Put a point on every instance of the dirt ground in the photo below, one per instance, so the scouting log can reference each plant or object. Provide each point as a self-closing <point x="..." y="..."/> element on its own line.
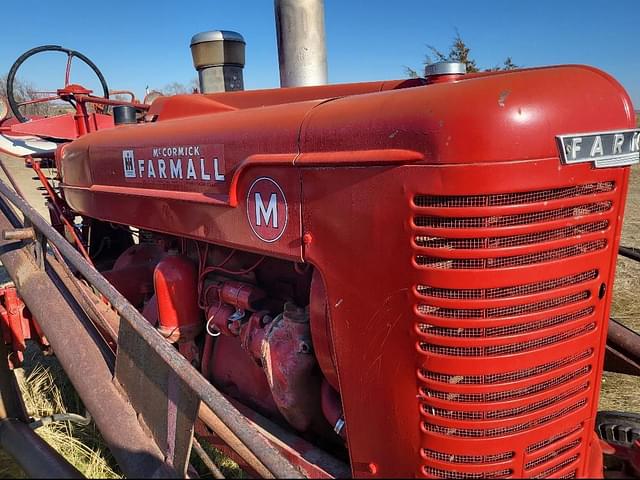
<point x="26" y="180"/>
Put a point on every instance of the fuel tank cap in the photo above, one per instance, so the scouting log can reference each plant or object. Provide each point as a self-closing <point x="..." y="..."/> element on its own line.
<point x="445" y="68"/>
<point x="444" y="71"/>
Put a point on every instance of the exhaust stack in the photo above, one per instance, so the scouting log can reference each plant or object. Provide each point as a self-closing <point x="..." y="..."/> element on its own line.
<point x="302" y="53"/>
<point x="218" y="56"/>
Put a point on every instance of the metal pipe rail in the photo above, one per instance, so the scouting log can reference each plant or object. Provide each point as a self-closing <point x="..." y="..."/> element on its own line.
<point x="32" y="453"/>
<point x="79" y="351"/>
<point x="624" y="340"/>
<point x="278" y="465"/>
<point x="630" y="252"/>
<point x="622" y="354"/>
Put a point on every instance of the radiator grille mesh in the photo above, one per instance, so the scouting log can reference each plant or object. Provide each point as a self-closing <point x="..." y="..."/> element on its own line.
<point x="556" y="468"/>
<point x="551" y="455"/>
<point x="505" y="292"/>
<point x="468" y="459"/>
<point x="505" y="395"/>
<point x="501" y="199"/>
<point x="512" y="240"/>
<point x="511" y="261"/>
<point x="500" y="431"/>
<point x="506" y="330"/>
<point x="534" y="447"/>
<point x="506" y="349"/>
<point x="515" y="317"/>
<point x="513" y="220"/>
<point x="508" y="311"/>
<point x="508" y="413"/>
<point x="493" y="378"/>
<point x="438" y="473"/>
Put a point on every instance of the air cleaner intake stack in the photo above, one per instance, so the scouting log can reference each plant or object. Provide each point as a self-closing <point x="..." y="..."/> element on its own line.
<point x="218" y="56"/>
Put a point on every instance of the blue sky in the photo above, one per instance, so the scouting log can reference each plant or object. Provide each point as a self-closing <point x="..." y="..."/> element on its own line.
<point x="139" y="43"/>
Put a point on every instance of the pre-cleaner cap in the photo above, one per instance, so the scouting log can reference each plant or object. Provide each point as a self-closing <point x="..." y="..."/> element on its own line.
<point x="216" y="36"/>
<point x="217" y="47"/>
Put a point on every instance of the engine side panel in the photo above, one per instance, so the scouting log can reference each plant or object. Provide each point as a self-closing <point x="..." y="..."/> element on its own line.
<point x="224" y="225"/>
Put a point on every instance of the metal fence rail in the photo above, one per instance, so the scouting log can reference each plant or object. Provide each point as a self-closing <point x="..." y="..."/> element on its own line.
<point x="630" y="252"/>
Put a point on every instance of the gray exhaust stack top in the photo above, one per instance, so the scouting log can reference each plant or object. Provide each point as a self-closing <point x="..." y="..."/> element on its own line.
<point x="302" y="51"/>
<point x="218" y="56"/>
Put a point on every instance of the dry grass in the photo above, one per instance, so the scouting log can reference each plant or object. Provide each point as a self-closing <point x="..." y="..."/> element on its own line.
<point x="228" y="467"/>
<point x="46" y="391"/>
<point x="81" y="446"/>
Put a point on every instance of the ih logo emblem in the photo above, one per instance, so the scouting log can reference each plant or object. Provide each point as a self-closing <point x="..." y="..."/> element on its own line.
<point x="267" y="209"/>
<point x="129" y="162"/>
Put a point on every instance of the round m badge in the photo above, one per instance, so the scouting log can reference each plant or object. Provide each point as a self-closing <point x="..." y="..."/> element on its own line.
<point x="267" y="209"/>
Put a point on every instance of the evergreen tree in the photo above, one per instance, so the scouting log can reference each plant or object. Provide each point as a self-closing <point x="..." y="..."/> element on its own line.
<point x="458" y="52"/>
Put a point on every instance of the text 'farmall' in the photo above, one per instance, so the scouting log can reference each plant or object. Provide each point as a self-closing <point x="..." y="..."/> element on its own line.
<point x="173" y="163"/>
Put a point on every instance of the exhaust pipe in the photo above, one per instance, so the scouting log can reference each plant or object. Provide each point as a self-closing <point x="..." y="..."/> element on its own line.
<point x="302" y="52"/>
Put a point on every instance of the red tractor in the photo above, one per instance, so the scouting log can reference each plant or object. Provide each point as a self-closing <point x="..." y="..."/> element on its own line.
<point x="385" y="279"/>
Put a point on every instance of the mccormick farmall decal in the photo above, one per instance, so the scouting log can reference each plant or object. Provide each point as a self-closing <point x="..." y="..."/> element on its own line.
<point x="199" y="163"/>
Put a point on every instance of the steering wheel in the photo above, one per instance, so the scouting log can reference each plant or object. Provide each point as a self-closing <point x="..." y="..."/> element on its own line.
<point x="15" y="104"/>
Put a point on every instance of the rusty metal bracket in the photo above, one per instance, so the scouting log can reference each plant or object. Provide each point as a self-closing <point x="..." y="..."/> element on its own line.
<point x="40" y="250"/>
<point x="168" y="406"/>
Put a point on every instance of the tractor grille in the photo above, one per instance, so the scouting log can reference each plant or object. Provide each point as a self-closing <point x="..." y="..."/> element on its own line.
<point x="510" y="354"/>
<point x="470" y="459"/>
<point x="437" y="473"/>
<point x="513" y="220"/>
<point x="511" y="261"/>
<point x="501" y="431"/>
<point x="503" y="395"/>
<point x="510" y="241"/>
<point x="498" y="312"/>
<point x="501" y="199"/>
<point x="506" y="292"/>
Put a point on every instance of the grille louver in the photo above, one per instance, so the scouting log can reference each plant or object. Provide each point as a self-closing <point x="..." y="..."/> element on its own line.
<point x="508" y="354"/>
